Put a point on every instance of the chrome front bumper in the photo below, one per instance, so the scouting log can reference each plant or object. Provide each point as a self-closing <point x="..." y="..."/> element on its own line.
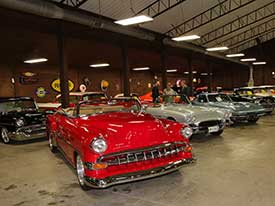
<point x="246" y="117"/>
<point x="140" y="175"/>
<point x="29" y="132"/>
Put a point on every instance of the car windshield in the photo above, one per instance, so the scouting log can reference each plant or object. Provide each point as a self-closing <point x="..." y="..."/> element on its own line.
<point x="219" y="98"/>
<point x="175" y="99"/>
<point x="101" y="106"/>
<point x="17" y="106"/>
<point x="85" y="97"/>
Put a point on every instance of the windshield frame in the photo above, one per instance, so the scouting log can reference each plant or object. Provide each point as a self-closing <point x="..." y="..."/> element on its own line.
<point x="219" y="94"/>
<point x="76" y="111"/>
<point x="22" y="109"/>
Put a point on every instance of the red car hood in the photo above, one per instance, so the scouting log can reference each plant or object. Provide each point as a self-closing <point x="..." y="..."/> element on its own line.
<point x="127" y="131"/>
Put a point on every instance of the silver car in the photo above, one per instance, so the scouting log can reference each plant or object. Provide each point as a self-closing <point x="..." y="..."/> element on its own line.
<point x="200" y="119"/>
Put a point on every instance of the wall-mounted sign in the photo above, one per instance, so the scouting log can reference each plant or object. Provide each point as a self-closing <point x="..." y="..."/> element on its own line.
<point x="28" y="78"/>
<point x="82" y="88"/>
<point x="104" y="85"/>
<point x="56" y="85"/>
<point x="41" y="92"/>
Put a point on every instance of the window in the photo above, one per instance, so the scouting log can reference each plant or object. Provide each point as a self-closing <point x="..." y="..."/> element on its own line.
<point x="202" y="99"/>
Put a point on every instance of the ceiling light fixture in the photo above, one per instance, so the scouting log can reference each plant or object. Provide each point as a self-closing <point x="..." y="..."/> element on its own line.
<point x="186" y="72"/>
<point x="204" y="74"/>
<point x="100" y="65"/>
<point x="248" y="60"/>
<point x="186" y="38"/>
<point x="259" y="63"/>
<point x="134" y="20"/>
<point x="33" y="61"/>
<point x="222" y="48"/>
<point x="171" y="70"/>
<point x="194" y="72"/>
<point x="235" y="55"/>
<point x="141" y="69"/>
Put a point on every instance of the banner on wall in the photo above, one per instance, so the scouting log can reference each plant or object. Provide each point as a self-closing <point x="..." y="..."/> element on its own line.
<point x="55" y="85"/>
<point x="28" y="78"/>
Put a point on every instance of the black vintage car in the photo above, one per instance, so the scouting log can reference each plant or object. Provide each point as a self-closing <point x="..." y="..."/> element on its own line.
<point x="20" y="119"/>
<point x="250" y="94"/>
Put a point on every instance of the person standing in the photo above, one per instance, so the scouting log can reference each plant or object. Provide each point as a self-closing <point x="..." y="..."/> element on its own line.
<point x="185" y="89"/>
<point x="169" y="94"/>
<point x="155" y="92"/>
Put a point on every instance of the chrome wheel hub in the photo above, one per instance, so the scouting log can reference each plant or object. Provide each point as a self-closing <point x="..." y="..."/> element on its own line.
<point x="80" y="170"/>
<point x="5" y="135"/>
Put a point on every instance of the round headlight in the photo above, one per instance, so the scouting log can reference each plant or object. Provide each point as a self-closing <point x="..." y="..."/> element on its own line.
<point x="186" y="132"/>
<point x="99" y="145"/>
<point x="19" y="122"/>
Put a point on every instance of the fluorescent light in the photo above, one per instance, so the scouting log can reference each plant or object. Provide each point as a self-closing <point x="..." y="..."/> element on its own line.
<point x="194" y="72"/>
<point x="134" y="20"/>
<point x="204" y="74"/>
<point x="259" y="63"/>
<point x="273" y="73"/>
<point x="186" y="72"/>
<point x="100" y="65"/>
<point x="217" y="48"/>
<point x="33" y="61"/>
<point x="235" y="55"/>
<point x="186" y="38"/>
<point x="171" y="70"/>
<point x="141" y="69"/>
<point x="248" y="60"/>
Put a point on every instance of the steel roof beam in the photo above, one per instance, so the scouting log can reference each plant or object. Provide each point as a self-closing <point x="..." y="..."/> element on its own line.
<point x="73" y="3"/>
<point x="159" y="7"/>
<point x="239" y="23"/>
<point x="249" y="34"/>
<point x="215" y="12"/>
<point x="253" y="42"/>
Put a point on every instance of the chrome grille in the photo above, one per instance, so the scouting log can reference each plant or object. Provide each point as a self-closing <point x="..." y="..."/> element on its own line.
<point x="210" y="123"/>
<point x="33" y="129"/>
<point x="162" y="151"/>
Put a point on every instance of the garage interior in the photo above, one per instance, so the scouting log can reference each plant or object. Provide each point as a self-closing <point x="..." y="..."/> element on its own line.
<point x="235" y="168"/>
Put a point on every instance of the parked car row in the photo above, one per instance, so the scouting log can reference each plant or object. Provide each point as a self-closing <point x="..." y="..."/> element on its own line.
<point x="116" y="140"/>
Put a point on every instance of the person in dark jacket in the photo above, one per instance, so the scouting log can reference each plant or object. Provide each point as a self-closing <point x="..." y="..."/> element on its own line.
<point x="185" y="89"/>
<point x="155" y="92"/>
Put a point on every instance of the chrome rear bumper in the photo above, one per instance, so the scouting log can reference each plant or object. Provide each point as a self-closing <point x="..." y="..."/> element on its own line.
<point x="140" y="175"/>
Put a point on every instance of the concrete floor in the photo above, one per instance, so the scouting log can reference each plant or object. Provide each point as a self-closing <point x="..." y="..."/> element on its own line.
<point x="235" y="169"/>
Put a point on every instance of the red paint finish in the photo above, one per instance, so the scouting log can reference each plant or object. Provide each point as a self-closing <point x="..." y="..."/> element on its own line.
<point x="122" y="131"/>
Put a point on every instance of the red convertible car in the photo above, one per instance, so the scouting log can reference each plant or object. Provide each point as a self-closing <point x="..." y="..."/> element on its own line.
<point x="111" y="142"/>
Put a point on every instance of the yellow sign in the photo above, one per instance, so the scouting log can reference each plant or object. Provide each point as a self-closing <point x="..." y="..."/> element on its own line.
<point x="56" y="85"/>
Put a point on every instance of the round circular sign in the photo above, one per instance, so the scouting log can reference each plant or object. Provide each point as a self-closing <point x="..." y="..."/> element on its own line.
<point x="56" y="85"/>
<point x="41" y="92"/>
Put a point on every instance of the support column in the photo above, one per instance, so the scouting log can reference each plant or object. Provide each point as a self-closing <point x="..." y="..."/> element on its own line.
<point x="125" y="70"/>
<point x="190" y="73"/>
<point x="163" y="57"/>
<point x="209" y="76"/>
<point x="63" y="67"/>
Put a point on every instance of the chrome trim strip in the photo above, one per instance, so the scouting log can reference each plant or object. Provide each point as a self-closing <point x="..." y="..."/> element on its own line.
<point x="140" y="175"/>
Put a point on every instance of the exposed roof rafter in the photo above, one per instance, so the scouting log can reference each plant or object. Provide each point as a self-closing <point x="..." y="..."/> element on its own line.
<point x="73" y="3"/>
<point x="249" y="34"/>
<point x="239" y="23"/>
<point x="215" y="12"/>
<point x="253" y="42"/>
<point x="159" y="7"/>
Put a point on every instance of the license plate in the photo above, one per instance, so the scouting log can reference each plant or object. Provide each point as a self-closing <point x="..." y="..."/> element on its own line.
<point x="213" y="129"/>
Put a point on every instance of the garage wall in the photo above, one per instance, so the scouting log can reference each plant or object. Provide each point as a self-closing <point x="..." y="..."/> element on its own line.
<point x="6" y="74"/>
